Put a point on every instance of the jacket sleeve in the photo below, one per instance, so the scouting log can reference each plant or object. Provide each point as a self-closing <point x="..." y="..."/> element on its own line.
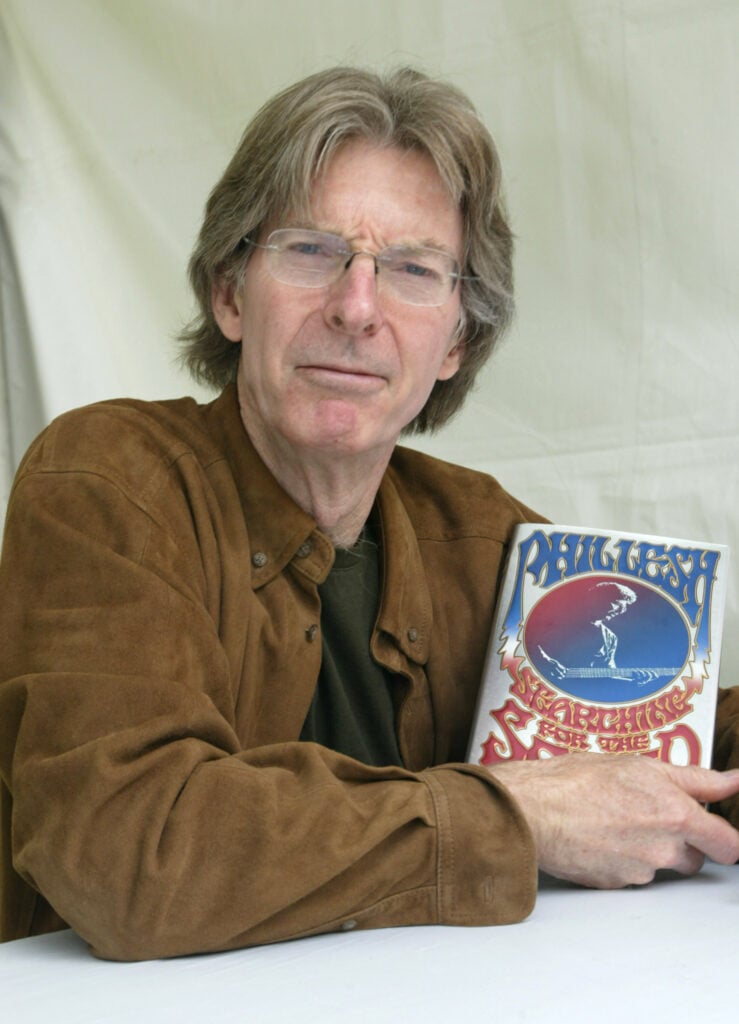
<point x="135" y="811"/>
<point x="726" y="746"/>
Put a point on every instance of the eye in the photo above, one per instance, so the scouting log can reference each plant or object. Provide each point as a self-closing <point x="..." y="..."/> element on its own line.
<point x="311" y="250"/>
<point x="415" y="264"/>
<point x="417" y="270"/>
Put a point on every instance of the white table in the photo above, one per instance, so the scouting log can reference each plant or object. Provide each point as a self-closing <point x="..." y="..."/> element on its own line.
<point x="665" y="953"/>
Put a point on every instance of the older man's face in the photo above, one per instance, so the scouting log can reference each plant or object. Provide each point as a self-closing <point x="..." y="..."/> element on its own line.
<point x="342" y="369"/>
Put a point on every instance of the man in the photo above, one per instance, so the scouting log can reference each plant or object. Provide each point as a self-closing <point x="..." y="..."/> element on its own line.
<point x="241" y="642"/>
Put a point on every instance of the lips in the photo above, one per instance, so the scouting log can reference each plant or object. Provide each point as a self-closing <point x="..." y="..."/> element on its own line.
<point x="333" y="376"/>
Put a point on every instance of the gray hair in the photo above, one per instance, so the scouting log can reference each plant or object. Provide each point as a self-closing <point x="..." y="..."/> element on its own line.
<point x="272" y="173"/>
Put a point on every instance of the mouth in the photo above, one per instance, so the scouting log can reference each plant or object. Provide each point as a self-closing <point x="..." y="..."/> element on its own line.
<point x="351" y="378"/>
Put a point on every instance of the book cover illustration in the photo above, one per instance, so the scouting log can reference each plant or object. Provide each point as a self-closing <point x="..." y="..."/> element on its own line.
<point x="603" y="641"/>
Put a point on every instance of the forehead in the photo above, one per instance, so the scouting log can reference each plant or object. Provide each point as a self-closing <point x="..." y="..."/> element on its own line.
<point x="386" y="194"/>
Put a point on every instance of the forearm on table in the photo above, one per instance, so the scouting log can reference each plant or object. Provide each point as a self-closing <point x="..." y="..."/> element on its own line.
<point x="176" y="847"/>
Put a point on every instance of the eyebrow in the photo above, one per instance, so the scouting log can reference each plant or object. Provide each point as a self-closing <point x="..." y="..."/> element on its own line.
<point x="423" y="243"/>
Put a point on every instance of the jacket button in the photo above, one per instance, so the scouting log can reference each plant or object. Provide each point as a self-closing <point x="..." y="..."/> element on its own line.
<point x="310" y="633"/>
<point x="412" y="634"/>
<point x="258" y="559"/>
<point x="304" y="550"/>
<point x="348" y="925"/>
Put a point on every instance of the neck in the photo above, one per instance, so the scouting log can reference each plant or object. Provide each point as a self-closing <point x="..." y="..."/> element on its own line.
<point x="337" y="490"/>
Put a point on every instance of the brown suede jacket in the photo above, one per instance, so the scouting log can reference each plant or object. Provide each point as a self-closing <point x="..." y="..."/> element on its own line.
<point x="159" y="648"/>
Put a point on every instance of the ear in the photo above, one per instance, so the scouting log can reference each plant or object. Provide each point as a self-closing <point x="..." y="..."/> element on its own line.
<point x="452" y="362"/>
<point x="453" y="358"/>
<point x="226" y="305"/>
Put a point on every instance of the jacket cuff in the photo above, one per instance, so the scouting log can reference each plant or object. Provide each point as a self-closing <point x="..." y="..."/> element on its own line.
<point x="486" y="857"/>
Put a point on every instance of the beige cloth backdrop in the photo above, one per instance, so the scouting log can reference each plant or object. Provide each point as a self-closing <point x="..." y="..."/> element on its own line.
<point x="613" y="401"/>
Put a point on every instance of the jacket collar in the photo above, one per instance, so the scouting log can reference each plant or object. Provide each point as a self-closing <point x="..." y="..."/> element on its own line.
<point x="405" y="607"/>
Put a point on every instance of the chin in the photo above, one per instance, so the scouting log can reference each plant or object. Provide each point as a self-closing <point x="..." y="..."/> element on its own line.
<point x="339" y="427"/>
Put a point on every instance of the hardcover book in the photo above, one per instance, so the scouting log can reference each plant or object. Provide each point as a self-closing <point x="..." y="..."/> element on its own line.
<point x="603" y="641"/>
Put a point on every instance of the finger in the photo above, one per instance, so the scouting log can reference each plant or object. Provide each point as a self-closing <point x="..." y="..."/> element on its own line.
<point x="689" y="862"/>
<point x="704" y="784"/>
<point x="714" y="837"/>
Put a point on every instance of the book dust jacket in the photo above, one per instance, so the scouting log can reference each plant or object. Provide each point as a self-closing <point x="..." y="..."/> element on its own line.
<point x="603" y="641"/>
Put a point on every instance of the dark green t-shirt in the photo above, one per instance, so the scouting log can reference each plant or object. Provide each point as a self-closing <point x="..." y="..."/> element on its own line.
<point x="352" y="709"/>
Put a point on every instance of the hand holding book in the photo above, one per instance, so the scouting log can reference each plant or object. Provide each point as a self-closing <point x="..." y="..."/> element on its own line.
<point x="609" y="820"/>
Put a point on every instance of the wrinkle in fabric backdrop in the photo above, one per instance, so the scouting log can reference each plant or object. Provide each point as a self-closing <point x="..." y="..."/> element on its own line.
<point x="612" y="402"/>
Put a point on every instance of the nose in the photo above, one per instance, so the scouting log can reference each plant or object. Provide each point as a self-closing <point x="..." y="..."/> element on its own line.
<point x="352" y="304"/>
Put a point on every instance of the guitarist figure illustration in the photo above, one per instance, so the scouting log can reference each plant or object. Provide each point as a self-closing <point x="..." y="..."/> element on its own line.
<point x="593" y="644"/>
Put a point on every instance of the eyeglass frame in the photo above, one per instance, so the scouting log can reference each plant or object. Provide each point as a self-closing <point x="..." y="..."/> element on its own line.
<point x="452" y="275"/>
